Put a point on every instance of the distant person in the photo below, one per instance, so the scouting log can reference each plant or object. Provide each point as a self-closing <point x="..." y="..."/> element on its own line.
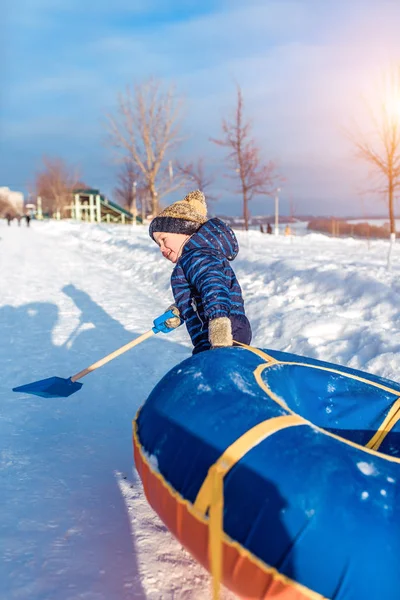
<point x="288" y="231"/>
<point x="269" y="228"/>
<point x="28" y="220"/>
<point x="9" y="219"/>
<point x="261" y="228"/>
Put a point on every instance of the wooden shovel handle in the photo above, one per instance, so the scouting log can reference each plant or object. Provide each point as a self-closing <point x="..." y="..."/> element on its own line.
<point x="113" y="355"/>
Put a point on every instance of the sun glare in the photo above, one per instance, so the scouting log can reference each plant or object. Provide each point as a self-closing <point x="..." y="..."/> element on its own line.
<point x="392" y="106"/>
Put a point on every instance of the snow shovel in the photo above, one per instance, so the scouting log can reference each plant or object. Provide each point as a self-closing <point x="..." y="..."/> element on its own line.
<point x="57" y="387"/>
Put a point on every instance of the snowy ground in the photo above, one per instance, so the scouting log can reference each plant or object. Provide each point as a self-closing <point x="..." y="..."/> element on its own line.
<point x="376" y="222"/>
<point x="75" y="524"/>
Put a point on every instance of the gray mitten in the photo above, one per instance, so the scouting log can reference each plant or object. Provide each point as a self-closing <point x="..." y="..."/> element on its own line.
<point x="173" y="322"/>
<point x="220" y="332"/>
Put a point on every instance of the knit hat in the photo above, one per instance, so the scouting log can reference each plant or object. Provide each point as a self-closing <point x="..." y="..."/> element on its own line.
<point x="185" y="216"/>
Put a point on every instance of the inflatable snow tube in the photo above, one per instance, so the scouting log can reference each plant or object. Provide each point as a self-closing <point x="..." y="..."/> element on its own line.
<point x="280" y="474"/>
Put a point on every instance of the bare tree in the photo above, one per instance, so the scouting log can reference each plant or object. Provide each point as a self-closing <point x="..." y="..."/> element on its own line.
<point x="130" y="187"/>
<point x="381" y="146"/>
<point x="143" y="131"/>
<point x="55" y="184"/>
<point x="195" y="174"/>
<point x="126" y="178"/>
<point x="130" y="190"/>
<point x="255" y="177"/>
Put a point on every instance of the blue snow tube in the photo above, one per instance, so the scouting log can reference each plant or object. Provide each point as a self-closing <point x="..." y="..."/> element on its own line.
<point x="310" y="454"/>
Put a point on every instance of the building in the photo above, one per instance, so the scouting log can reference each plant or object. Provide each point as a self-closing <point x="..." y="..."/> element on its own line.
<point x="89" y="205"/>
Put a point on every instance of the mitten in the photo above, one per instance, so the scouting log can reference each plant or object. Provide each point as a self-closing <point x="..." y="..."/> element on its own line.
<point x="220" y="332"/>
<point x="173" y="322"/>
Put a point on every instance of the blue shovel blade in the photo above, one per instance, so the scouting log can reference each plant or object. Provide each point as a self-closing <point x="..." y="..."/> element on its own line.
<point x="53" y="387"/>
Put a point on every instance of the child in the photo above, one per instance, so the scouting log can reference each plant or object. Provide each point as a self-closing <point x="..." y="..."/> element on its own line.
<point x="206" y="292"/>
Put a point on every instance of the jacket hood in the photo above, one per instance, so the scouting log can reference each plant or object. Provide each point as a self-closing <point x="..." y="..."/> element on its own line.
<point x="215" y="236"/>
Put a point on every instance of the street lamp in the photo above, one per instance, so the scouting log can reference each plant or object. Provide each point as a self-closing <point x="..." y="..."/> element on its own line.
<point x="276" y="232"/>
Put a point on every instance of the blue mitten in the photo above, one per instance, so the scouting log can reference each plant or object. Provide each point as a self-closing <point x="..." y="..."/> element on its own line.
<point x="168" y="321"/>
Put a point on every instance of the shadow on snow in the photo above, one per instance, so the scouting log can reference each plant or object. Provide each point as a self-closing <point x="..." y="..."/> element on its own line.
<point x="65" y="528"/>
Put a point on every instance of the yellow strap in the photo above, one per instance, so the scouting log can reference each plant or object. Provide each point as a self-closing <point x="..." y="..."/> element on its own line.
<point x="239" y="448"/>
<point x="343" y="374"/>
<point x="211" y="494"/>
<point x="260" y="353"/>
<point x="270" y="360"/>
<point x="216" y="528"/>
<point x="386" y="426"/>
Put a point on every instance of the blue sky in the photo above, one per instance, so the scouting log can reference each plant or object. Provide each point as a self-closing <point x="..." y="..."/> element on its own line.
<point x="302" y="66"/>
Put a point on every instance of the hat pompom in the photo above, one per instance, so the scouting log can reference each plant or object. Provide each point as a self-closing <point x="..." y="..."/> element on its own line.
<point x="197" y="201"/>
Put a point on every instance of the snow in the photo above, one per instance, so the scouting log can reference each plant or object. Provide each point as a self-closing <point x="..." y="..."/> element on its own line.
<point x="367" y="468"/>
<point x="376" y="222"/>
<point x="75" y="524"/>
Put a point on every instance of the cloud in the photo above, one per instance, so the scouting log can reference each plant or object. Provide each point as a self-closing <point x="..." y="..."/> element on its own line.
<point x="301" y="66"/>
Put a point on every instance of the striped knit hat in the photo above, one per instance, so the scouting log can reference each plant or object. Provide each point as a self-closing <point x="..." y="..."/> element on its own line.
<point x="184" y="216"/>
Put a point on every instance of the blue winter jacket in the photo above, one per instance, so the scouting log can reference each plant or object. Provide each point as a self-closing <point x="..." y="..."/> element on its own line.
<point x="204" y="284"/>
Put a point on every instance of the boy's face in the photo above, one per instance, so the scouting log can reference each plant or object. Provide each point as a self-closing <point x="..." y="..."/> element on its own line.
<point x="171" y="244"/>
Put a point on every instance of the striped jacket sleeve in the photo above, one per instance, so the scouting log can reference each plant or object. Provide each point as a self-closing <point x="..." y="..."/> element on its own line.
<point x="206" y="273"/>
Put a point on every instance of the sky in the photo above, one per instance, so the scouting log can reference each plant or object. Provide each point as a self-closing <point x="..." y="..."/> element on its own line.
<point x="304" y="67"/>
<point x="74" y="520"/>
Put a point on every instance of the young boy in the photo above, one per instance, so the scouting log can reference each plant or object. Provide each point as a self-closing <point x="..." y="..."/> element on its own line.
<point x="206" y="292"/>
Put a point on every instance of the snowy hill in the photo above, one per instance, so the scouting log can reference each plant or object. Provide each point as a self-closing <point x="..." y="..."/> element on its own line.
<point x="75" y="524"/>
